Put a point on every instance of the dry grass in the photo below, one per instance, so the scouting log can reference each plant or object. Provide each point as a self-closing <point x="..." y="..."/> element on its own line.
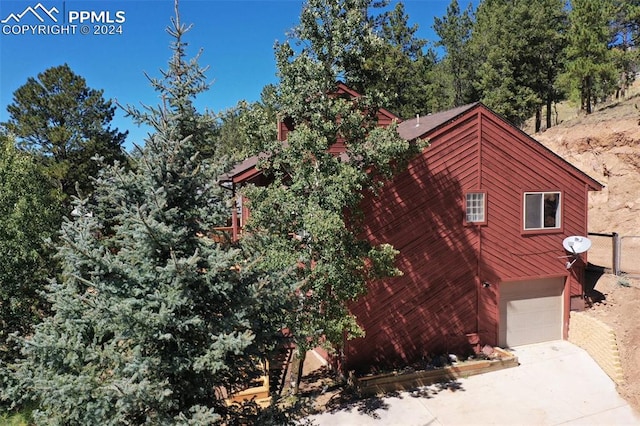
<point x="568" y="112"/>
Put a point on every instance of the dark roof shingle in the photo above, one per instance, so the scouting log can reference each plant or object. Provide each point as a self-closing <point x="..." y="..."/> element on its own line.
<point x="416" y="127"/>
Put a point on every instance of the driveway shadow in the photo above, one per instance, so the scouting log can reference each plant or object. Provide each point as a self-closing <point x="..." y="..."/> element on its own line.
<point x="349" y="400"/>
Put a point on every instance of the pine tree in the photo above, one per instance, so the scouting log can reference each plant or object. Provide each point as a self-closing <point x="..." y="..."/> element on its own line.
<point x="65" y="123"/>
<point x="458" y="64"/>
<point x="626" y="29"/>
<point x="627" y="22"/>
<point x="306" y="222"/>
<point x="397" y="66"/>
<point x="153" y="322"/>
<point x="521" y="42"/>
<point x="591" y="73"/>
<point x="244" y="128"/>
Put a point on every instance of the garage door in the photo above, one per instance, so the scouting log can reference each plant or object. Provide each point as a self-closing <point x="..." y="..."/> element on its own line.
<point x="530" y="311"/>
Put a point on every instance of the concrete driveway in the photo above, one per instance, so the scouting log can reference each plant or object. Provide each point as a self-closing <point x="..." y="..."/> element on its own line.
<point x="557" y="383"/>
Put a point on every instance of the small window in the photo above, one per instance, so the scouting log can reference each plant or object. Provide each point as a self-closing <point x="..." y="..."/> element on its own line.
<point x="542" y="210"/>
<point x="476" y="207"/>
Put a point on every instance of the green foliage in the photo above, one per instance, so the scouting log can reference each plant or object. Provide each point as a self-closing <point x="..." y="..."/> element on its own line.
<point x="65" y="123"/>
<point x="306" y="222"/>
<point x="14" y="419"/>
<point x="396" y="66"/>
<point x="521" y="43"/>
<point x="626" y="25"/>
<point x="152" y="321"/>
<point x="626" y="30"/>
<point x="456" y="71"/>
<point x="626" y="64"/>
<point x="244" y="129"/>
<point x="591" y="74"/>
<point x="29" y="215"/>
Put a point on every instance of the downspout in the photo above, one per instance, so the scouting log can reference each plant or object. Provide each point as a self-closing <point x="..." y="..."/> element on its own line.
<point x="478" y="279"/>
<point x="234" y="213"/>
<point x="479" y="228"/>
<point x="583" y="273"/>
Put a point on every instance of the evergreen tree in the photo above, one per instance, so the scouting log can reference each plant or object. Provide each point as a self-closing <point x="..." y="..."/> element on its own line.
<point x="521" y="42"/>
<point x="625" y="61"/>
<point x="28" y="217"/>
<point x="65" y="123"/>
<point x="547" y="33"/>
<point x="244" y="128"/>
<point x="591" y="73"/>
<point x="457" y="68"/>
<point x="153" y="322"/>
<point x="306" y="222"/>
<point x="627" y="23"/>
<point x="626" y="36"/>
<point x="397" y="66"/>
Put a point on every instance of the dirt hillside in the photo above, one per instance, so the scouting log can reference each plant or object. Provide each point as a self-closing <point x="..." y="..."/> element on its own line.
<point x="606" y="146"/>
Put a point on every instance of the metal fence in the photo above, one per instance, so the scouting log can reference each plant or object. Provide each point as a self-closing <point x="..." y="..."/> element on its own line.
<point x="619" y="255"/>
<point x="630" y="254"/>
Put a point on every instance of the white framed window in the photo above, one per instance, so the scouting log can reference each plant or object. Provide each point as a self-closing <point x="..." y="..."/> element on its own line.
<point x="476" y="207"/>
<point x="542" y="210"/>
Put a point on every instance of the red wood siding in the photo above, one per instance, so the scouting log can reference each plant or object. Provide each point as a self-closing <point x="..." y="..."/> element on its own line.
<point x="441" y="297"/>
<point x="453" y="270"/>
<point x="511" y="165"/>
<point x="284" y="127"/>
<point x="433" y="305"/>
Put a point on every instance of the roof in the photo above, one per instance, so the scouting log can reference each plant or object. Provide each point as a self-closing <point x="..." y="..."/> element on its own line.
<point x="343" y="88"/>
<point x="417" y="127"/>
<point x="420" y="127"/>
<point x="247" y="166"/>
<point x="409" y="130"/>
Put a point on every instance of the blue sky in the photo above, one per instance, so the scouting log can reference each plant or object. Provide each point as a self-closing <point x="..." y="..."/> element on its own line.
<point x="237" y="38"/>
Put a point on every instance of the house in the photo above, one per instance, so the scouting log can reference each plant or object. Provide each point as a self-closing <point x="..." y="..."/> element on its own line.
<point x="247" y="172"/>
<point x="479" y="218"/>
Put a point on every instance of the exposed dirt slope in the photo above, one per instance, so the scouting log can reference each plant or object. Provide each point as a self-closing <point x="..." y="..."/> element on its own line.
<point x="606" y="146"/>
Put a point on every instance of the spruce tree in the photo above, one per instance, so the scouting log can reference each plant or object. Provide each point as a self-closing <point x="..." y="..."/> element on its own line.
<point x="153" y="321"/>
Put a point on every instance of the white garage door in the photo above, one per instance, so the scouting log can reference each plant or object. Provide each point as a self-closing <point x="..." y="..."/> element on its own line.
<point x="530" y="311"/>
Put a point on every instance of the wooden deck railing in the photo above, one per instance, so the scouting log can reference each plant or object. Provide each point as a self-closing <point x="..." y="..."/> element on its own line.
<point x="222" y="234"/>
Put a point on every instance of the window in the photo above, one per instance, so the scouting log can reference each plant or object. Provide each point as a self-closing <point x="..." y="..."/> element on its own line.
<point x="476" y="207"/>
<point x="542" y="210"/>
